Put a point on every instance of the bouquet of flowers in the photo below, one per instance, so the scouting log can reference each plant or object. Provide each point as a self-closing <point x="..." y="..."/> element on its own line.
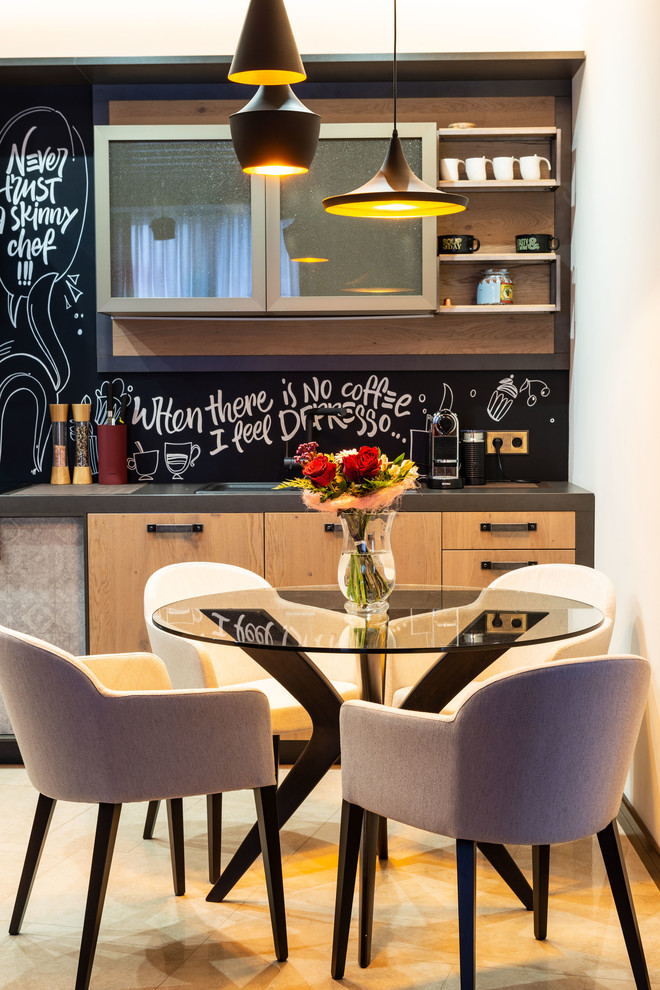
<point x="357" y="485"/>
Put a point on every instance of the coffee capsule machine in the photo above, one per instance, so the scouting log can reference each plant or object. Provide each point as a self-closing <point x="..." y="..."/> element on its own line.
<point x="444" y="452"/>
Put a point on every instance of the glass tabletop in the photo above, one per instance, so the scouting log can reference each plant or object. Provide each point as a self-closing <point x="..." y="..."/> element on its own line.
<point x="421" y="619"/>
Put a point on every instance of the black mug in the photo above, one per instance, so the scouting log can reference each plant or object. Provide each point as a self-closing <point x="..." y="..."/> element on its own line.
<point x="458" y="244"/>
<point x="543" y="243"/>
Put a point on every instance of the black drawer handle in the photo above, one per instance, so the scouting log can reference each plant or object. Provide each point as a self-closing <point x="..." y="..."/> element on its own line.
<point x="507" y="527"/>
<point x="506" y="565"/>
<point x="175" y="527"/>
<point x="332" y="527"/>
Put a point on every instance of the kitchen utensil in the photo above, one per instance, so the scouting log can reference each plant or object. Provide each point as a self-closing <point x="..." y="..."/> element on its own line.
<point x="82" y="473"/>
<point x="530" y="166"/>
<point x="112" y="453"/>
<point x="542" y="243"/>
<point x="109" y="402"/>
<point x="59" y="474"/>
<point x="458" y="244"/>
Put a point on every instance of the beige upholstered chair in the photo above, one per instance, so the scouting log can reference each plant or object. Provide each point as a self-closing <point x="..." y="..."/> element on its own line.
<point x="83" y="741"/>
<point x="195" y="664"/>
<point x="475" y="776"/>
<point x="582" y="584"/>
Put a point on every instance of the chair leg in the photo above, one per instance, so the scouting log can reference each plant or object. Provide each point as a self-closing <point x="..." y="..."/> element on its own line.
<point x="150" y="821"/>
<point x="501" y="860"/>
<point x="382" y="838"/>
<point x="367" y="885"/>
<point x="177" y="854"/>
<point x="276" y="757"/>
<point x="104" y="844"/>
<point x="466" y="861"/>
<point x="40" y="825"/>
<point x="269" y="835"/>
<point x="214" y="829"/>
<point x="349" y="849"/>
<point x="540" y="886"/>
<point x="610" y="847"/>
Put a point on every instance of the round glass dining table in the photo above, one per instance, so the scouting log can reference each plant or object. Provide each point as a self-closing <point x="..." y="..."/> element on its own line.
<point x="462" y="630"/>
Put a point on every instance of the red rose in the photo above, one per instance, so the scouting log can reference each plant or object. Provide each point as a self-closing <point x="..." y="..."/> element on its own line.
<point x="320" y="470"/>
<point x="363" y="465"/>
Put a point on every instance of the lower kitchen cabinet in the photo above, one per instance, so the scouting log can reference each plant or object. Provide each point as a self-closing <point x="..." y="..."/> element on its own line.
<point x="123" y="549"/>
<point x="477" y="568"/>
<point x="303" y="548"/>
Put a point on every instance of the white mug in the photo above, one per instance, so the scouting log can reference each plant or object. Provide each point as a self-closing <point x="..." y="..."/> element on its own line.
<point x="530" y="166"/>
<point x="476" y="168"/>
<point x="449" y="168"/>
<point x="503" y="167"/>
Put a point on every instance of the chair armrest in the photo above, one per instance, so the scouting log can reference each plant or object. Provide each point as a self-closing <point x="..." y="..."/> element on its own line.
<point x="128" y="671"/>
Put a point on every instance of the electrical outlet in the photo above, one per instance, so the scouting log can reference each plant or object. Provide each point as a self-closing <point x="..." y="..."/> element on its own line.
<point x="513" y="441"/>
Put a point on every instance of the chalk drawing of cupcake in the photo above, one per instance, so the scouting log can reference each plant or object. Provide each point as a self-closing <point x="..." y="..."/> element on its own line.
<point x="502" y="399"/>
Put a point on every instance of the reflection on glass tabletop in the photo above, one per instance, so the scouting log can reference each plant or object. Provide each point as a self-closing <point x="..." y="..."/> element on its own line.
<point x="420" y="619"/>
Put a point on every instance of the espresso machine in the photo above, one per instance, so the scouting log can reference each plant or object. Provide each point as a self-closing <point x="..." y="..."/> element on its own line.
<point x="444" y="454"/>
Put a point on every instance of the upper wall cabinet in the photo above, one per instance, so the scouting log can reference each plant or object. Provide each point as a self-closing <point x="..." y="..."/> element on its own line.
<point x="180" y="229"/>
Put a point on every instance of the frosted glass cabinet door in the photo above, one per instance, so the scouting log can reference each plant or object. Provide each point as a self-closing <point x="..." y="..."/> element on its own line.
<point x="180" y="227"/>
<point x="319" y="262"/>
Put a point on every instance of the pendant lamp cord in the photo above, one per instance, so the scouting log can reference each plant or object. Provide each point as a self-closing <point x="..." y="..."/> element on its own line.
<point x="394" y="79"/>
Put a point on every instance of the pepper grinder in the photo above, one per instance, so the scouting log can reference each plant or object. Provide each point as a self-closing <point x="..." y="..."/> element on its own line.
<point x="82" y="473"/>
<point x="59" y="474"/>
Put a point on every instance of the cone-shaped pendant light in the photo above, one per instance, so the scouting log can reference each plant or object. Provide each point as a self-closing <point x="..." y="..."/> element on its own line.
<point x="275" y="134"/>
<point x="266" y="54"/>
<point x="395" y="192"/>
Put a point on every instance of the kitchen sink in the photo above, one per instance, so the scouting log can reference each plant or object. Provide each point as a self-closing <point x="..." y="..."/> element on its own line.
<point x="218" y="487"/>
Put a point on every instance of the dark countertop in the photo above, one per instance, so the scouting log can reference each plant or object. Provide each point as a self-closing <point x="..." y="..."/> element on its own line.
<point x="79" y="500"/>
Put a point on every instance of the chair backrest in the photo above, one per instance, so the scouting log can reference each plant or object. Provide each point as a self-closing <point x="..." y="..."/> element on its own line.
<point x="536" y="756"/>
<point x="191" y="664"/>
<point x="575" y="581"/>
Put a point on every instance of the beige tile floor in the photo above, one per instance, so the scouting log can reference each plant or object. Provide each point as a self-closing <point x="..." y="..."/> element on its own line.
<point x="149" y="938"/>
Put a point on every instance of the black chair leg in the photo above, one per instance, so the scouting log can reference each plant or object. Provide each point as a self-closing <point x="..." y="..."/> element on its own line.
<point x="265" y="799"/>
<point x="367" y="885"/>
<point x="610" y="847"/>
<point x="40" y="826"/>
<point x="501" y="860"/>
<point x="276" y="757"/>
<point x="466" y="861"/>
<point x="214" y="829"/>
<point x="349" y="848"/>
<point x="540" y="886"/>
<point x="382" y="838"/>
<point x="150" y="821"/>
<point x="104" y="844"/>
<point x="177" y="854"/>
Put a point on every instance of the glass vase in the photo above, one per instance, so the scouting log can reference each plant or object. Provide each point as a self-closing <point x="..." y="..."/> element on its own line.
<point x="366" y="567"/>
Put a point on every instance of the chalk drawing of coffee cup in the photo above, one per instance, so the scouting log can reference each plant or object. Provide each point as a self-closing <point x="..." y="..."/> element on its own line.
<point x="179" y="457"/>
<point x="145" y="462"/>
<point x="502" y="399"/>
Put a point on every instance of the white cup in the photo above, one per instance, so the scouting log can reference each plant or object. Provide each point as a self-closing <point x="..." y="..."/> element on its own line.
<point x="449" y="168"/>
<point x="530" y="166"/>
<point x="503" y="167"/>
<point x="476" y="168"/>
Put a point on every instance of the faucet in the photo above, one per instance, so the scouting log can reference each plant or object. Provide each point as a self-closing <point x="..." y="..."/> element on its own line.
<point x="339" y="412"/>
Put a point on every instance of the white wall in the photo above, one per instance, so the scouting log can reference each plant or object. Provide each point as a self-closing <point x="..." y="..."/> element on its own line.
<point x="614" y="392"/>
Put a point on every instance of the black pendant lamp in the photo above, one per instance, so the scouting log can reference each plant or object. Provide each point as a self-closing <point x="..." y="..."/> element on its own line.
<point x="275" y="134"/>
<point x="395" y="192"/>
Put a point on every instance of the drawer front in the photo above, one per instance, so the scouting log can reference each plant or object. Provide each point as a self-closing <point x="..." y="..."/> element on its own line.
<point x="477" y="568"/>
<point x="518" y="530"/>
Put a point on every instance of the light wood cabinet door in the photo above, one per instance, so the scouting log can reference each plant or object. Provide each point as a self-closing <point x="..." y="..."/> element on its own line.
<point x="123" y="550"/>
<point x="303" y="548"/>
<point x="514" y="530"/>
<point x="477" y="568"/>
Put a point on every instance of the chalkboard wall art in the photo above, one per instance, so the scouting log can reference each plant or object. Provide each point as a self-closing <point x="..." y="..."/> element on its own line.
<point x="195" y="426"/>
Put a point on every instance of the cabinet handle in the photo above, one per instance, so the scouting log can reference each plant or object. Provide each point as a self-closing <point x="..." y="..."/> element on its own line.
<point x="508" y="527"/>
<point x="332" y="527"/>
<point x="175" y="527"/>
<point x="506" y="565"/>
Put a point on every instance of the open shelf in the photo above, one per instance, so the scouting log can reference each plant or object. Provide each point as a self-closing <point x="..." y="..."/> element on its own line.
<point x="511" y="257"/>
<point x="500" y="308"/>
<point x="500" y="185"/>
<point x="533" y="133"/>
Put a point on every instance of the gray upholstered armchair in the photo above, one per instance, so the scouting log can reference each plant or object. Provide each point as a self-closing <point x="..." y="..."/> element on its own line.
<point x="83" y="741"/>
<point x="531" y="757"/>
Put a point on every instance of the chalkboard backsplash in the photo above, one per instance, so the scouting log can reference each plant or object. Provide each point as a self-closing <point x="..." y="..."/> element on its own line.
<point x="196" y="426"/>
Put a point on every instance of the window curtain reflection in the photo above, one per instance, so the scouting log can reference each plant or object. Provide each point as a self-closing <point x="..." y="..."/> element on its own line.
<point x="210" y="255"/>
